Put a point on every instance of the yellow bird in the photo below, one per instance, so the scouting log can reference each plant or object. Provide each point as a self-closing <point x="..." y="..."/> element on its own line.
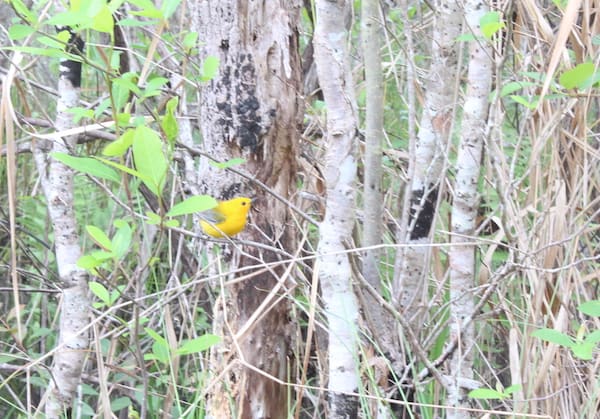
<point x="227" y="219"/>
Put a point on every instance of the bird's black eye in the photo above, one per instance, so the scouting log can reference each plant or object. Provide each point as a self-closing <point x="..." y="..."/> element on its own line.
<point x="244" y="203"/>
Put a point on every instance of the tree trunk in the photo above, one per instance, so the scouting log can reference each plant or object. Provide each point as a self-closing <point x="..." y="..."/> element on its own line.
<point x="57" y="183"/>
<point x="380" y="323"/>
<point x="335" y="274"/>
<point x="465" y="207"/>
<point x="251" y="110"/>
<point x="427" y="164"/>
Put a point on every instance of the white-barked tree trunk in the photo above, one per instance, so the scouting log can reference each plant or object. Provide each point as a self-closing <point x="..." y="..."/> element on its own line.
<point x="464" y="209"/>
<point x="333" y="265"/>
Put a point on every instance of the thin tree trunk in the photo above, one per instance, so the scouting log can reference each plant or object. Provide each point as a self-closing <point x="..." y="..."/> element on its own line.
<point x="465" y="207"/>
<point x="57" y="183"/>
<point x="380" y="324"/>
<point x="427" y="164"/>
<point x="372" y="201"/>
<point x="251" y="110"/>
<point x="335" y="274"/>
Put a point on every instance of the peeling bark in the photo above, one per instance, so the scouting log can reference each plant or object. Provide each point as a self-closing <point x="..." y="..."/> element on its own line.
<point x="251" y="109"/>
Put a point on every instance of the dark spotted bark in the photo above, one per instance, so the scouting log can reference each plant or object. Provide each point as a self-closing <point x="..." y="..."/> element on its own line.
<point x="251" y="109"/>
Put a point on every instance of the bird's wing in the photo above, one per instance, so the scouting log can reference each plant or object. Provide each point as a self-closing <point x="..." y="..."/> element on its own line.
<point x="212" y="217"/>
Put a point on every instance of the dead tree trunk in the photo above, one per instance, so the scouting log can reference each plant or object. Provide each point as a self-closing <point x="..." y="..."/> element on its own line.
<point x="251" y="109"/>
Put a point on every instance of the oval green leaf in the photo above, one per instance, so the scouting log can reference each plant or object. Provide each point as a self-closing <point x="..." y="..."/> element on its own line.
<point x="197" y="203"/>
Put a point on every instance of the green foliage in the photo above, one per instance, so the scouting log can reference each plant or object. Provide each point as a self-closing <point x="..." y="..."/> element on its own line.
<point x="578" y="77"/>
<point x="82" y="15"/>
<point x="107" y="298"/>
<point x="491" y="23"/>
<point x="114" y="249"/>
<point x="169" y="122"/>
<point x="161" y="350"/>
<point x="150" y="159"/>
<point x="119" y="147"/>
<point x="88" y="166"/>
<point x="497" y="394"/>
<point x="198" y="345"/>
<point x="583" y="345"/>
<point x="210" y="67"/>
<point x="192" y="204"/>
<point x="591" y="308"/>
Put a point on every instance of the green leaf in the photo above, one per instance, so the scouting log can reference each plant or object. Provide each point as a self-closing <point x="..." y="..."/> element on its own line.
<point x="39" y="332"/>
<point x="99" y="237"/>
<point x="171" y="223"/>
<point x="150" y="159"/>
<point x="169" y="121"/>
<point x="101" y="255"/>
<point x="120" y="146"/>
<point x="114" y="5"/>
<point x="102" y="107"/>
<point x="197" y="203"/>
<point x="103" y="20"/>
<point x="160" y="347"/>
<point x="511" y="389"/>
<point x="122" y="89"/>
<point x="116" y="293"/>
<point x="190" y="40"/>
<point x="73" y="19"/>
<point x="561" y="4"/>
<point x="154" y="86"/>
<point x="486" y="393"/>
<point x="593" y="337"/>
<point x="210" y="67"/>
<point x="319" y="105"/>
<point x="168" y="7"/>
<point x="80" y="113"/>
<point x="88" y="166"/>
<point x="127" y="84"/>
<point x="120" y="403"/>
<point x="121" y="241"/>
<point x="591" y="308"/>
<point x="466" y="37"/>
<point x="63" y="37"/>
<point x="577" y="76"/>
<point x="583" y="350"/>
<point x="19" y="31"/>
<point x="154" y="219"/>
<point x="522" y="101"/>
<point x="46" y="52"/>
<point x="513" y="86"/>
<point x="199" y="344"/>
<point x="157" y="338"/>
<point x="490" y="23"/>
<point x="24" y="11"/>
<point x="7" y="358"/>
<point x="534" y="75"/>
<point x="229" y="163"/>
<point x="123" y="118"/>
<point x="132" y="172"/>
<point x="147" y="9"/>
<point x="100" y="291"/>
<point x="88" y="262"/>
<point x="554" y="336"/>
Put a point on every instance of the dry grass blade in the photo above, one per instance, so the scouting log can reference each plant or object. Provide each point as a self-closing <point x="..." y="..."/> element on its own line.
<point x="558" y="50"/>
